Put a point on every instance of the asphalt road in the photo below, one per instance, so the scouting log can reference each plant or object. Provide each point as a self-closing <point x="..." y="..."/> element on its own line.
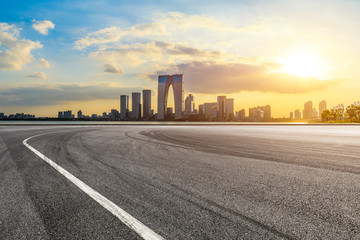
<point x="182" y="182"/>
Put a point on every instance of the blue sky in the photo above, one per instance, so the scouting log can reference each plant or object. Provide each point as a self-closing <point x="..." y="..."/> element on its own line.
<point x="257" y="52"/>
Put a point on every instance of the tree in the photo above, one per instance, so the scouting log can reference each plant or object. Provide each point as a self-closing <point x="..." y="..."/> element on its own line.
<point x="325" y="115"/>
<point x="351" y="112"/>
<point x="332" y="115"/>
<point x="339" y="113"/>
<point x="357" y="113"/>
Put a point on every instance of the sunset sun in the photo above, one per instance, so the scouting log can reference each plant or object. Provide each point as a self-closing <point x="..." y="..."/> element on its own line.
<point x="303" y="64"/>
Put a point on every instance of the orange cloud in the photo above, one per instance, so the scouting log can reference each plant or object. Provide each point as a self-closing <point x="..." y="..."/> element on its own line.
<point x="211" y="77"/>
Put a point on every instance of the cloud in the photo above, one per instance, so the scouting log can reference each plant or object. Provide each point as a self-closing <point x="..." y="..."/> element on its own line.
<point x="110" y="68"/>
<point x="103" y="36"/>
<point x="14" y="52"/>
<point x="43" y="26"/>
<point x="38" y="75"/>
<point x="165" y="38"/>
<point x="53" y="94"/>
<point x="212" y="78"/>
<point x="147" y="29"/>
<point x="174" y="49"/>
<point x="185" y="22"/>
<point x="43" y="63"/>
<point x="151" y="53"/>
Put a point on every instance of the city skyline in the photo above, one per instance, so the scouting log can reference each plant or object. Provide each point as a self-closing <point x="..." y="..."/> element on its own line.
<point x="53" y="58"/>
<point x="222" y="110"/>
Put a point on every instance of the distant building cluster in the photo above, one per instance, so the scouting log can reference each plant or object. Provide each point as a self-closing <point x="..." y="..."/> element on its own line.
<point x="309" y="112"/>
<point x="261" y="113"/>
<point x="66" y="115"/>
<point x="222" y="109"/>
<point x="17" y="116"/>
<point x="139" y="110"/>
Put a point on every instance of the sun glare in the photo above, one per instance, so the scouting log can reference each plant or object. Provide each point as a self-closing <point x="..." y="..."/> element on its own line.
<point x="303" y="64"/>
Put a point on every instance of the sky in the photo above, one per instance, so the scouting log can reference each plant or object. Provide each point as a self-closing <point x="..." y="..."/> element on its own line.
<point x="60" y="55"/>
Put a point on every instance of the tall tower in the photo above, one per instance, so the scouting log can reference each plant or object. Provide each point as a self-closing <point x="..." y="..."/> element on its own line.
<point x="221" y="106"/>
<point x="229" y="108"/>
<point x="189" y="104"/>
<point x="308" y="110"/>
<point x="146" y="103"/>
<point x="79" y="114"/>
<point x="164" y="83"/>
<point x="124" y="106"/>
<point x="136" y="105"/>
<point x="322" y="106"/>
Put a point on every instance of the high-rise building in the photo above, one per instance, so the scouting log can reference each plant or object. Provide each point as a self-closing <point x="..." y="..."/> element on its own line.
<point x="209" y="109"/>
<point x="242" y="114"/>
<point x="267" y="112"/>
<point x="291" y="115"/>
<point x="146" y="103"/>
<point x="229" y="108"/>
<point x="315" y="113"/>
<point x="68" y="114"/>
<point x="308" y="110"/>
<point x="79" y="114"/>
<point x="164" y="82"/>
<point x="136" y="105"/>
<point x="322" y="106"/>
<point x="221" y="107"/>
<point x="297" y="114"/>
<point x="256" y="114"/>
<point x="189" y="104"/>
<point x="60" y="114"/>
<point x="201" y="109"/>
<point x="124" y="106"/>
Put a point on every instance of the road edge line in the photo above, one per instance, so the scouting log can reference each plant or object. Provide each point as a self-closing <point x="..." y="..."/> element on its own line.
<point x="130" y="221"/>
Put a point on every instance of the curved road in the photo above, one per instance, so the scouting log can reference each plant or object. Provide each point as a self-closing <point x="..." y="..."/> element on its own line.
<point x="182" y="182"/>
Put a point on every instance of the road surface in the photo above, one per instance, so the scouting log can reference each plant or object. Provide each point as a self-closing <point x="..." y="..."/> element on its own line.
<point x="180" y="182"/>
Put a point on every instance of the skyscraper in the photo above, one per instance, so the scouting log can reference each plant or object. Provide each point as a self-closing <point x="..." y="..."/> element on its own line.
<point x="124" y="106"/>
<point x="146" y="103"/>
<point x="202" y="109"/>
<point x="79" y="114"/>
<point x="308" y="110"/>
<point x="189" y="104"/>
<point x="229" y="108"/>
<point x="242" y="114"/>
<point x="297" y="114"/>
<point x="322" y="106"/>
<point x="209" y="109"/>
<point x="221" y="106"/>
<point x="136" y="105"/>
<point x="315" y="113"/>
<point x="164" y="82"/>
<point x="68" y="114"/>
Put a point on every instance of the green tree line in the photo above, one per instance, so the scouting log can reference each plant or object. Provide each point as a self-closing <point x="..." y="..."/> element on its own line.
<point x="352" y="114"/>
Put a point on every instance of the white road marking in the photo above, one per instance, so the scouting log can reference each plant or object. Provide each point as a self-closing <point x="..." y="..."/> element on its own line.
<point x="145" y="232"/>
